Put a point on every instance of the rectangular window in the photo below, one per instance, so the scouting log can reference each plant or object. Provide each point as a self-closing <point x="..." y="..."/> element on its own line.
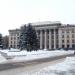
<point x="73" y="46"/>
<point x="56" y="46"/>
<point x="14" y="38"/>
<point x="62" y="46"/>
<point x="11" y="42"/>
<point x="17" y="34"/>
<point x="67" y="46"/>
<point x="67" y="41"/>
<point x="67" y="31"/>
<point x="73" y="31"/>
<point x="17" y="38"/>
<point x="11" y="38"/>
<point x="72" y="35"/>
<point x="62" y="31"/>
<point x="52" y="31"/>
<point x="52" y="36"/>
<point x="73" y="41"/>
<point x="52" y="46"/>
<point x="62" y="41"/>
<point x="67" y="36"/>
<point x="62" y="36"/>
<point x="14" y="42"/>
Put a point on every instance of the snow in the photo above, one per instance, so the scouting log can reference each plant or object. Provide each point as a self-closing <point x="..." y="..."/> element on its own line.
<point x="65" y="68"/>
<point x="18" y="55"/>
<point x="16" y="52"/>
<point x="2" y="59"/>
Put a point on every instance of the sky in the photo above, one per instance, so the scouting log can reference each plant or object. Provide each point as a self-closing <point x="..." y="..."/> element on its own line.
<point x="15" y="13"/>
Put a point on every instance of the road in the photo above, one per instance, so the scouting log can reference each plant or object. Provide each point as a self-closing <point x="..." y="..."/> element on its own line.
<point x="29" y="66"/>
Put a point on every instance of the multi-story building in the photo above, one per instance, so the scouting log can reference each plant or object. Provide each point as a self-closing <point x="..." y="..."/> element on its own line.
<point x="51" y="35"/>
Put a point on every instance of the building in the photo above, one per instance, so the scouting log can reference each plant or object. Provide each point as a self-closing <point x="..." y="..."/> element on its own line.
<point x="51" y="35"/>
<point x="5" y="42"/>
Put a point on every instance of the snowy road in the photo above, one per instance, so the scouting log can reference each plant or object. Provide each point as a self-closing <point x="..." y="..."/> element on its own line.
<point x="29" y="67"/>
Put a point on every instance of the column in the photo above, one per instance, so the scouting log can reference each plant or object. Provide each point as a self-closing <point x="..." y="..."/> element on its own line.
<point x="54" y="39"/>
<point x="65" y="39"/>
<point x="37" y="33"/>
<point x="10" y="40"/>
<point x="60" y="38"/>
<point x="40" y="39"/>
<point x="49" y="39"/>
<point x="70" y="39"/>
<point x="45" y="39"/>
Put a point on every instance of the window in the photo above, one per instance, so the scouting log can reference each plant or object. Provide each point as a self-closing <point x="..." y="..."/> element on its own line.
<point x="67" y="31"/>
<point x="62" y="41"/>
<point x="56" y="46"/>
<point x="11" y="46"/>
<point x="17" y="38"/>
<point x="14" y="42"/>
<point x="52" y="36"/>
<point x="67" y="46"/>
<point x="73" y="41"/>
<point x="62" y="46"/>
<point x="67" y="36"/>
<point x="14" y="38"/>
<point x="56" y="36"/>
<point x="56" y="31"/>
<point x="67" y="41"/>
<point x="17" y="34"/>
<point x="57" y="41"/>
<point x="72" y="35"/>
<point x="73" y="31"/>
<point x="62" y="31"/>
<point x="62" y="36"/>
<point x="11" y="38"/>
<point x="11" y="42"/>
<point x="72" y="45"/>
<point x="52" y="46"/>
<point x="52" y="31"/>
<point x="47" y="31"/>
<point x="52" y="41"/>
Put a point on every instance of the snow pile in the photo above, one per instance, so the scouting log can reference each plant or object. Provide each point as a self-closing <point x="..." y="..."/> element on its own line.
<point x="2" y="59"/>
<point x="65" y="68"/>
<point x="18" y="55"/>
<point x="16" y="52"/>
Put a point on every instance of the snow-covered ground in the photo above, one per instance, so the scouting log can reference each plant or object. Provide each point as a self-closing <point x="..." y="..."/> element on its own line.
<point x="65" y="68"/>
<point x="2" y="59"/>
<point x="18" y="55"/>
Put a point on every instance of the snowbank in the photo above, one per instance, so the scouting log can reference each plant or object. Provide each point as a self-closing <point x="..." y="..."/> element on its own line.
<point x="16" y="52"/>
<point x="40" y="54"/>
<point x="65" y="68"/>
<point x="2" y="59"/>
<point x="24" y="55"/>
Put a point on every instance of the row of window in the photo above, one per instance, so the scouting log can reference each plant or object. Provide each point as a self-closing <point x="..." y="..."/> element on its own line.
<point x="57" y="46"/>
<point x="68" y="46"/>
<point x="73" y="41"/>
<point x="15" y="34"/>
<point x="67" y="31"/>
<point x="73" y="36"/>
<point x="14" y="38"/>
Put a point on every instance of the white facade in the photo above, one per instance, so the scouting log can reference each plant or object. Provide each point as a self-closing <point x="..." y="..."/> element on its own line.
<point x="51" y="35"/>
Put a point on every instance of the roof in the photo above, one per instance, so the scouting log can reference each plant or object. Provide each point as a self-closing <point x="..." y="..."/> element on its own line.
<point x="45" y="23"/>
<point x="67" y="25"/>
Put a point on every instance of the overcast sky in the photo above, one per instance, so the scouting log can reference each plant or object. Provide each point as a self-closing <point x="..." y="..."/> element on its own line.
<point x="14" y="13"/>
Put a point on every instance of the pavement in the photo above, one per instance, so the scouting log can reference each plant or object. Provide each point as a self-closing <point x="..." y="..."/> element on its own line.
<point x="14" y="64"/>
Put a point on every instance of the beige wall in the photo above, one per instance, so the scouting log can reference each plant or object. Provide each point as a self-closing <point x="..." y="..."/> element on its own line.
<point x="48" y="36"/>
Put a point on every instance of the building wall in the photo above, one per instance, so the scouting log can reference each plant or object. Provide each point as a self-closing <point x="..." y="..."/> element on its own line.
<point x="51" y="35"/>
<point x="14" y="38"/>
